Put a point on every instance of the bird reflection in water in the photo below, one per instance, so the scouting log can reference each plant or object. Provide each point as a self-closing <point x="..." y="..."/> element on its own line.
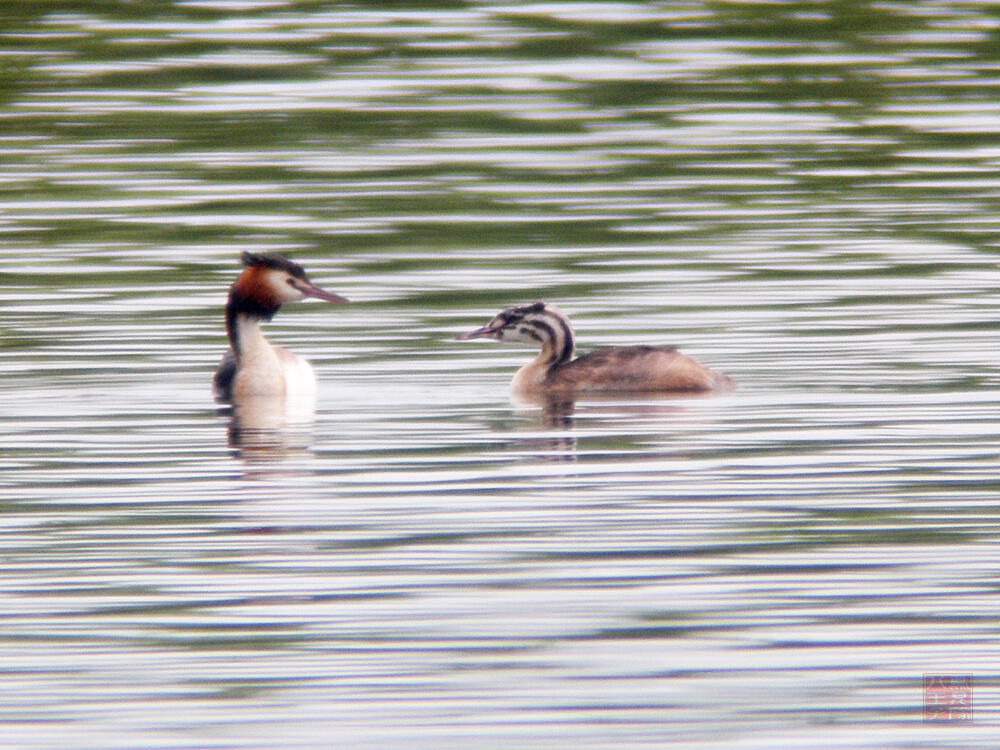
<point x="268" y="429"/>
<point x="564" y="419"/>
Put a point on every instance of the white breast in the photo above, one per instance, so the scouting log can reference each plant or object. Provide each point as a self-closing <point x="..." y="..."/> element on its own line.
<point x="300" y="379"/>
<point x="267" y="370"/>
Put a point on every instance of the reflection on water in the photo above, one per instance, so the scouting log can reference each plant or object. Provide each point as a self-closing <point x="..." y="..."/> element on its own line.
<point x="270" y="428"/>
<point x="801" y="194"/>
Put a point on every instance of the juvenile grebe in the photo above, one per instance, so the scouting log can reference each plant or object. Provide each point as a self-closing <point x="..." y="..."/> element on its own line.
<point x="620" y="369"/>
<point x="252" y="366"/>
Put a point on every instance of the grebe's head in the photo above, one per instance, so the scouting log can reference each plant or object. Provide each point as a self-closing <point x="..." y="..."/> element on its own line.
<point x="539" y="324"/>
<point x="270" y="280"/>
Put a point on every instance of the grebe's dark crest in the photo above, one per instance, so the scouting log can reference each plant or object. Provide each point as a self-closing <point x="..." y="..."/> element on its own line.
<point x="252" y="366"/>
<point x="619" y="369"/>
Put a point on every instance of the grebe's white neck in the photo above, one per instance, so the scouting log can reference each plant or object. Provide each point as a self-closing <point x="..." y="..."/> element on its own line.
<point x="259" y="369"/>
<point x="248" y="340"/>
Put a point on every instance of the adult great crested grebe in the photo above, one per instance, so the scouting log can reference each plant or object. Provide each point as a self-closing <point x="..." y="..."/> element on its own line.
<point x="625" y="369"/>
<point x="252" y="366"/>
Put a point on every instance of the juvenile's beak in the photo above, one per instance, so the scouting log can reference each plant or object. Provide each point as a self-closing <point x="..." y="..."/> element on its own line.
<point x="314" y="291"/>
<point x="486" y="332"/>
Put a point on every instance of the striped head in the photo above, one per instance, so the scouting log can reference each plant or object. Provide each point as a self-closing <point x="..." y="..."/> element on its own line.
<point x="541" y="324"/>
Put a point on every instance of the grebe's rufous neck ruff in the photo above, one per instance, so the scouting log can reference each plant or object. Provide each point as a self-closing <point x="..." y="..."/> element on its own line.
<point x="620" y="369"/>
<point x="253" y="366"/>
<point x="255" y="294"/>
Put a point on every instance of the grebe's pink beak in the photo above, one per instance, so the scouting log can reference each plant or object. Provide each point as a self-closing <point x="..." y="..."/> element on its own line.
<point x="314" y="291"/>
<point x="486" y="332"/>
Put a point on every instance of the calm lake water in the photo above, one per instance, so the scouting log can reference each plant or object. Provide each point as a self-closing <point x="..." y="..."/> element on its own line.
<point x="802" y="195"/>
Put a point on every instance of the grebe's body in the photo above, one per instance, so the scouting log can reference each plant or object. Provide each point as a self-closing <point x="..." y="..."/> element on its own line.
<point x="252" y="366"/>
<point x="626" y="369"/>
